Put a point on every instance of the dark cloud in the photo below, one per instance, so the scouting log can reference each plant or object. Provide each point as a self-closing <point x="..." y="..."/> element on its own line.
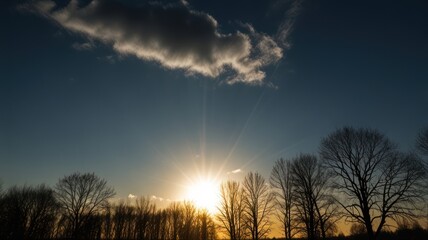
<point x="173" y="35"/>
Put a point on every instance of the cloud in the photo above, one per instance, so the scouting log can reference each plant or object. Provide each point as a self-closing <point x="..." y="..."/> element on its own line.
<point x="287" y="25"/>
<point x="174" y="35"/>
<point x="157" y="198"/>
<point x="160" y="198"/>
<point x="131" y="196"/>
<point x="235" y="171"/>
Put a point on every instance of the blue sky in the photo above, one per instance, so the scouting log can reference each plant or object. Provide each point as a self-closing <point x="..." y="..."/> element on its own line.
<point x="73" y="99"/>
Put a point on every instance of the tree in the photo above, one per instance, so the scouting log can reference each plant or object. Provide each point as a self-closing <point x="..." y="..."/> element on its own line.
<point x="206" y="225"/>
<point x="315" y="208"/>
<point x="376" y="182"/>
<point x="189" y="219"/>
<point x="107" y="224"/>
<point x="28" y="213"/>
<point x="175" y="220"/>
<point x="123" y="221"/>
<point x="258" y="200"/>
<point x="280" y="180"/>
<point x="231" y="210"/>
<point x="143" y="210"/>
<point x="81" y="196"/>
<point x="182" y="220"/>
<point x="422" y="147"/>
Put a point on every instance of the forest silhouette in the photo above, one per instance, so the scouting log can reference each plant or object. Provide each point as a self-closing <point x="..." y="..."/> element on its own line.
<point x="358" y="176"/>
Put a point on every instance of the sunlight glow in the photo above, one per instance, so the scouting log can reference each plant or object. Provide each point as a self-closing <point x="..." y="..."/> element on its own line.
<point x="204" y="194"/>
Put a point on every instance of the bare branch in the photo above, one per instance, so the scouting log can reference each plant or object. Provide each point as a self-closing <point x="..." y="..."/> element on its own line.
<point x="81" y="196"/>
<point x="376" y="180"/>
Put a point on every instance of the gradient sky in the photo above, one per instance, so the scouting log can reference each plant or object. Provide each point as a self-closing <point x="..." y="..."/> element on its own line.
<point x="76" y="99"/>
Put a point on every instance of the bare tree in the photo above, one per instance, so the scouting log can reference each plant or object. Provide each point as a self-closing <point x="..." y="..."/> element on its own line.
<point x="422" y="147"/>
<point x="28" y="213"/>
<point x="189" y="218"/>
<point x="259" y="203"/>
<point x="205" y="225"/>
<point x="376" y="182"/>
<point x="107" y="224"/>
<point x="175" y="219"/>
<point x="328" y="213"/>
<point x="123" y="220"/>
<point x="156" y="227"/>
<point x="182" y="220"/>
<point x="281" y="181"/>
<point x="231" y="210"/>
<point x="81" y="196"/>
<point x="143" y="210"/>
<point x="315" y="207"/>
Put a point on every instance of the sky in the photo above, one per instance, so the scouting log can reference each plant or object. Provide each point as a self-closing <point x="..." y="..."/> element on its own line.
<point x="152" y="95"/>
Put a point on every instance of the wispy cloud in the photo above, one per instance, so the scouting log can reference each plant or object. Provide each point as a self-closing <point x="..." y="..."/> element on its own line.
<point x="287" y="25"/>
<point x="174" y="35"/>
<point x="235" y="171"/>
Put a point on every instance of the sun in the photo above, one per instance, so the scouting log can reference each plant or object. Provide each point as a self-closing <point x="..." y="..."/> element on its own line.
<point x="204" y="194"/>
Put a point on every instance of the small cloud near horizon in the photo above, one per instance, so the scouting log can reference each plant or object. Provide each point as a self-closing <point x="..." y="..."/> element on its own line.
<point x="235" y="171"/>
<point x="131" y="196"/>
<point x="173" y="35"/>
<point x="161" y="199"/>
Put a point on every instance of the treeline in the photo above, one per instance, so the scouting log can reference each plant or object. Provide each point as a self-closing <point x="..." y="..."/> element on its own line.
<point x="78" y="208"/>
<point x="358" y="176"/>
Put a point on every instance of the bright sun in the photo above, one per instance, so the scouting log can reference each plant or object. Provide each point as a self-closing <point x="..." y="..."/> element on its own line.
<point x="204" y="194"/>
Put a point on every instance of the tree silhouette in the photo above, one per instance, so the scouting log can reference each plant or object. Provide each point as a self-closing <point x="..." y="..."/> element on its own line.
<point x="376" y="181"/>
<point x="231" y="210"/>
<point x="281" y="180"/>
<point x="315" y="207"/>
<point x="143" y="210"/>
<point x="361" y="171"/>
<point x="175" y="219"/>
<point x="258" y="200"/>
<point x="107" y="223"/>
<point x="189" y="218"/>
<point x="81" y="196"/>
<point x="28" y="213"/>
<point x="123" y="220"/>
